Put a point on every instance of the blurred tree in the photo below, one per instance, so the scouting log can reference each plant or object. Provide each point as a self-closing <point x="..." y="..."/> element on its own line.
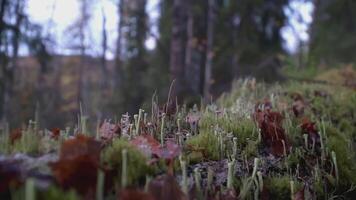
<point x="16" y="29"/>
<point x="80" y="43"/>
<point x="249" y="35"/>
<point x="133" y="55"/>
<point x="248" y="42"/>
<point x="178" y="43"/>
<point x="333" y="32"/>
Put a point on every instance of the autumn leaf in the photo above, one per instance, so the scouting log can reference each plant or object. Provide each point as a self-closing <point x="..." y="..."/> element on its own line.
<point x="165" y="187"/>
<point x="79" y="173"/>
<point x="55" y="133"/>
<point x="78" y="165"/>
<point x="15" y="135"/>
<point x="311" y="130"/>
<point x="272" y="131"/>
<point x="80" y="145"/>
<point x="132" y="194"/>
<point x="150" y="146"/>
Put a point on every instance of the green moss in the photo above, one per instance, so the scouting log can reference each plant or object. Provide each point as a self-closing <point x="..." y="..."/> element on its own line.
<point x="54" y="193"/>
<point x="346" y="158"/>
<point x="206" y="142"/>
<point x="279" y="187"/>
<point x="137" y="167"/>
<point x="29" y="143"/>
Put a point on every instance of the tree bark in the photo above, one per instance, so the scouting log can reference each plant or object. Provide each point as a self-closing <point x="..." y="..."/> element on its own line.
<point x="209" y="50"/>
<point x="177" y="52"/>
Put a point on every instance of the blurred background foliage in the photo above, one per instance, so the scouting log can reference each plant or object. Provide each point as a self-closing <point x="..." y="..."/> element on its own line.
<point x="203" y="45"/>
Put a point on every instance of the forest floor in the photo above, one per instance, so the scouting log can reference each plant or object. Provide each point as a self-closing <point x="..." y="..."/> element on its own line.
<point x="294" y="140"/>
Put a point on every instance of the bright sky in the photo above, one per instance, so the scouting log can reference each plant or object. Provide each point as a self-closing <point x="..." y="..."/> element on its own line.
<point x="63" y="12"/>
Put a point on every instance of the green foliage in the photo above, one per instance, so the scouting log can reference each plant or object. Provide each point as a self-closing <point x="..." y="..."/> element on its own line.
<point x="333" y="36"/>
<point x="54" y="193"/>
<point x="342" y="145"/>
<point x="137" y="167"/>
<point x="279" y="187"/>
<point x="208" y="143"/>
<point x="29" y="143"/>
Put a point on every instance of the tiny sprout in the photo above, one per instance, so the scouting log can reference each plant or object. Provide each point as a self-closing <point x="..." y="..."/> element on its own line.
<point x="210" y="178"/>
<point x="30" y="190"/>
<point x="131" y="130"/>
<point x="184" y="183"/>
<point x="259" y="135"/>
<point x="138" y="121"/>
<point x="178" y="124"/>
<point x="197" y="179"/>
<point x="255" y="166"/>
<point x="145" y="118"/>
<point x="260" y="180"/>
<point x="333" y="155"/>
<point x="305" y="140"/>
<point x="234" y="148"/>
<point x="100" y="185"/>
<point x="124" y="168"/>
<point x="292" y="190"/>
<point x="284" y="148"/>
<point x="148" y="180"/>
<point x="162" y="129"/>
<point x="230" y="167"/>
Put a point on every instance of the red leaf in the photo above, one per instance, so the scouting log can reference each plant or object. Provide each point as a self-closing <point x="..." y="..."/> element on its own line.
<point x="311" y="130"/>
<point x="272" y="132"/>
<point x="78" y="165"/>
<point x="170" y="151"/>
<point x="79" y="173"/>
<point x="165" y="187"/>
<point x="299" y="195"/>
<point x="55" y="133"/>
<point x="15" y="135"/>
<point x="132" y="194"/>
<point x="150" y="146"/>
<point x="229" y="194"/>
<point x="80" y="145"/>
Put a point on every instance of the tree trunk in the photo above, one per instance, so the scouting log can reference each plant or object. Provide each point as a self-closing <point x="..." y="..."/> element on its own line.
<point x="209" y="50"/>
<point x="177" y="52"/>
<point x="103" y="56"/>
<point x="118" y="60"/>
